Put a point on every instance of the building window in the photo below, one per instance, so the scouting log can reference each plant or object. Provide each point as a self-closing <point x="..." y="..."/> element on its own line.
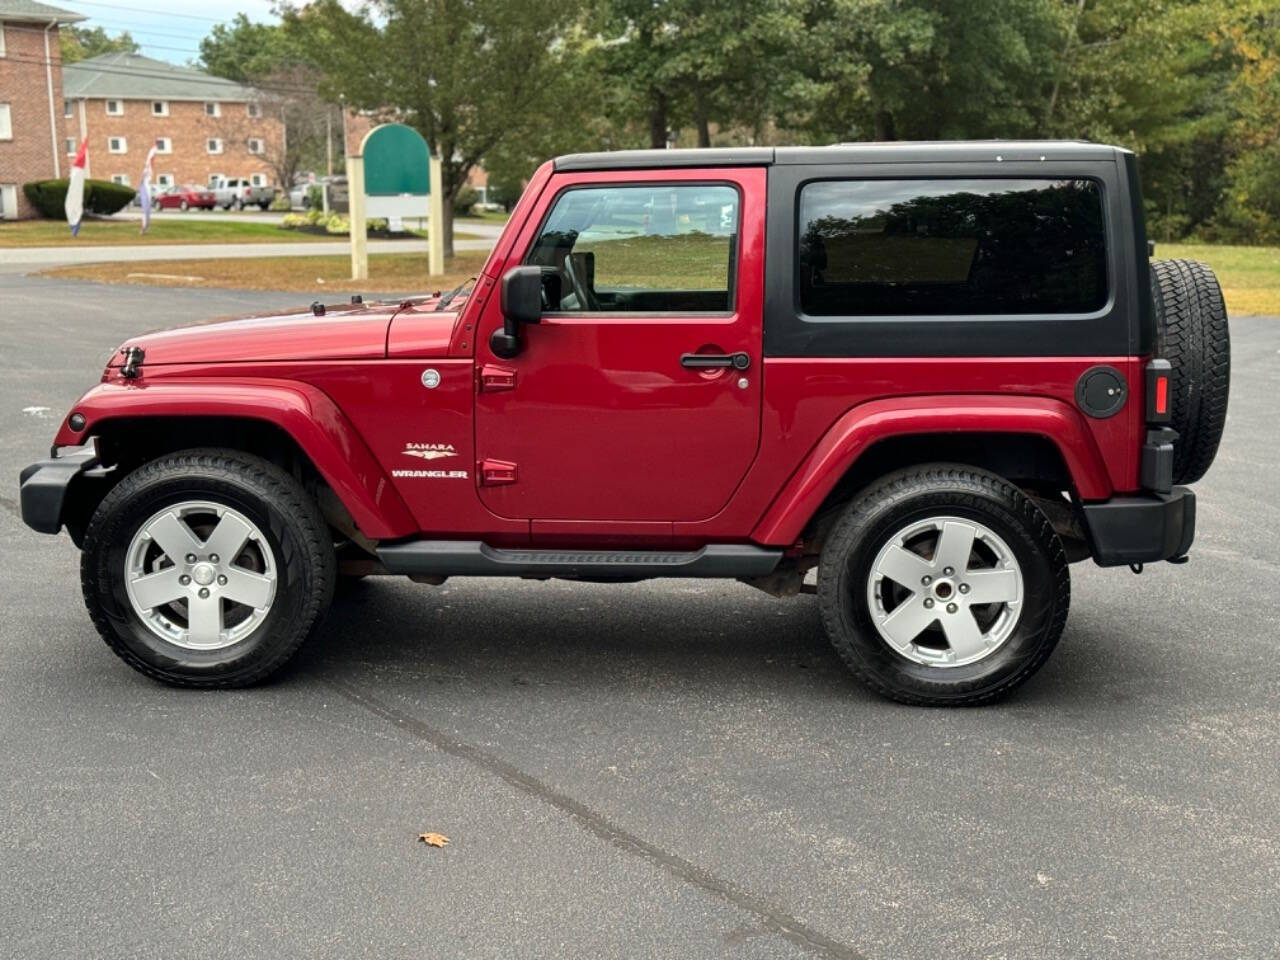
<point x="115" y="108"/>
<point x="258" y="180"/>
<point x="66" y="109"/>
<point x="213" y="109"/>
<point x="164" y="145"/>
<point x="8" y="201"/>
<point x="6" y="124"/>
<point x="164" y="180"/>
<point x="159" y="108"/>
<point x="1" y="40"/>
<point x="214" y="178"/>
<point x="213" y="145"/>
<point x="117" y="145"/>
<point x="121" y="178"/>
<point x="255" y="145"/>
<point x="69" y="145"/>
<point x="254" y="110"/>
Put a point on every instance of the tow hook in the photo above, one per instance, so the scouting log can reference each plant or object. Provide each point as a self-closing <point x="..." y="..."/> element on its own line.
<point x="1137" y="568"/>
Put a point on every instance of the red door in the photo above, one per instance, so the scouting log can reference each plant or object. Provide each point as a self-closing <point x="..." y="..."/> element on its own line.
<point x="615" y="409"/>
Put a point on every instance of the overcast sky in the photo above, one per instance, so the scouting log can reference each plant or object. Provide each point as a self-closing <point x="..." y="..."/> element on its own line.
<point x="166" y="29"/>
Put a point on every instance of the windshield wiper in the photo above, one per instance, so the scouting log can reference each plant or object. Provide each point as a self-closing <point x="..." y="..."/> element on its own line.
<point x="448" y="297"/>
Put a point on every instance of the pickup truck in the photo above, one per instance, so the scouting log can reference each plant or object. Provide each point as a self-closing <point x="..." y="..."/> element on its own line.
<point x="236" y="193"/>
<point x="914" y="380"/>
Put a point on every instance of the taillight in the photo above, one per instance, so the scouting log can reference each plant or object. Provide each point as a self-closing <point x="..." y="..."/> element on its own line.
<point x="1159" y="401"/>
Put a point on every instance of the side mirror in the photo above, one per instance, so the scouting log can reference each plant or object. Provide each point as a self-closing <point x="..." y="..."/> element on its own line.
<point x="521" y="303"/>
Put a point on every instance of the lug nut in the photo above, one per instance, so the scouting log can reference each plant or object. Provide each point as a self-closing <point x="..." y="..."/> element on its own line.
<point x="184" y="579"/>
<point x="926" y="580"/>
<point x="191" y="558"/>
<point x="222" y="581"/>
<point x="948" y="571"/>
<point x="928" y="603"/>
<point x="951" y="607"/>
<point x="963" y="588"/>
<point x="204" y="592"/>
<point x="213" y="558"/>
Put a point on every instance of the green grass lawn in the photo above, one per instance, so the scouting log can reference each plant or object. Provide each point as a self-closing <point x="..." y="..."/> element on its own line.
<point x="1250" y="276"/>
<point x="101" y="233"/>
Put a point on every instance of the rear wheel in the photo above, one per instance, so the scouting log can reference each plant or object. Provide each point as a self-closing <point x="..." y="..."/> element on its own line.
<point x="943" y="585"/>
<point x="184" y="206"/>
<point x="207" y="568"/>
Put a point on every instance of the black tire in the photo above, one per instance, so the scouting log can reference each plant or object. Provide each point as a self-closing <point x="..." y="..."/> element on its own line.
<point x="1192" y="334"/>
<point x="894" y="503"/>
<point x="274" y="501"/>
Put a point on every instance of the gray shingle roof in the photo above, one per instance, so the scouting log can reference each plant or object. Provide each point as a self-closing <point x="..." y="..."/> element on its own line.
<point x="129" y="76"/>
<point x="29" y="10"/>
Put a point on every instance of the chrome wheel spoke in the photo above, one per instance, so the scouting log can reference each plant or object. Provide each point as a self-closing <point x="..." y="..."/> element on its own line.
<point x="228" y="537"/>
<point x="992" y="586"/>
<point x="157" y="589"/>
<point x="963" y="636"/>
<point x="955" y="543"/>
<point x="904" y="567"/>
<point x="907" y="621"/>
<point x="204" y="621"/>
<point x="251" y="589"/>
<point x="173" y="535"/>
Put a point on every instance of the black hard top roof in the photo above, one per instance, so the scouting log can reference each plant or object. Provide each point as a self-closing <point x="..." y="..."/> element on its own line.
<point x="925" y="151"/>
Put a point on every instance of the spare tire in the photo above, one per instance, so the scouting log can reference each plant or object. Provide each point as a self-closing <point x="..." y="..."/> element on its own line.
<point x="1191" y="333"/>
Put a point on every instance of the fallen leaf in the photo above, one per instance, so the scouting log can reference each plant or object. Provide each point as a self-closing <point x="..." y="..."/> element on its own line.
<point x="433" y="839"/>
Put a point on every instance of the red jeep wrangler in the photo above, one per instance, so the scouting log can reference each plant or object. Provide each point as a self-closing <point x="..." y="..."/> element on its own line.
<point x="938" y="373"/>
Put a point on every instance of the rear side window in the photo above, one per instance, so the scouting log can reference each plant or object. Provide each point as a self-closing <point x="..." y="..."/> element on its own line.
<point x="639" y="249"/>
<point x="951" y="247"/>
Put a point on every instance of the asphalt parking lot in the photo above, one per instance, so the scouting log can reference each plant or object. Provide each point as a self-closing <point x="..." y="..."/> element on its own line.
<point x="659" y="770"/>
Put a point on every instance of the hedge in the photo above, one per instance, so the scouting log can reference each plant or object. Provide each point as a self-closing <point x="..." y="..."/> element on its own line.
<point x="100" y="196"/>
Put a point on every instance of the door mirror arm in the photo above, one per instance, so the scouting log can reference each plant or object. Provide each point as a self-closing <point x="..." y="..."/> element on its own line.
<point x="521" y="303"/>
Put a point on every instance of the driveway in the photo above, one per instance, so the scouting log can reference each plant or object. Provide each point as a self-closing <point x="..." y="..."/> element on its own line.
<point x="675" y="769"/>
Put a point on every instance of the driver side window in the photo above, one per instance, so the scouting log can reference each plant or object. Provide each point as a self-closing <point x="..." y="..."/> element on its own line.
<point x="640" y="249"/>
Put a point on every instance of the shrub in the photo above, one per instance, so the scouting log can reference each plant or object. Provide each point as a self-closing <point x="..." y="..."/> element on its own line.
<point x="315" y="217"/>
<point x="280" y="203"/>
<point x="377" y="223"/>
<point x="315" y="198"/>
<point x="100" y="196"/>
<point x="291" y="221"/>
<point x="465" y="200"/>
<point x="337" y="224"/>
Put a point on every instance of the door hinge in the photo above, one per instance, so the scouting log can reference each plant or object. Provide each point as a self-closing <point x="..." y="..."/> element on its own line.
<point x="494" y="473"/>
<point x="494" y="378"/>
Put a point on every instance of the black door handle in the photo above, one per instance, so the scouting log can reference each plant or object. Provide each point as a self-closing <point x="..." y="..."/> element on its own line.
<point x="698" y="361"/>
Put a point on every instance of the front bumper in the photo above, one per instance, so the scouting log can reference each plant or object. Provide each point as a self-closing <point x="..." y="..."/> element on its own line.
<point x="43" y="488"/>
<point x="1142" y="529"/>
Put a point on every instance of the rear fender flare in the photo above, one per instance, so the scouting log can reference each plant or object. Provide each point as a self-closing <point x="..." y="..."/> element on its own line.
<point x="858" y="429"/>
<point x="302" y="411"/>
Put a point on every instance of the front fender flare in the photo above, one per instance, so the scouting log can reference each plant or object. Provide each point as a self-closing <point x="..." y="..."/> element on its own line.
<point x="859" y="428"/>
<point x="305" y="413"/>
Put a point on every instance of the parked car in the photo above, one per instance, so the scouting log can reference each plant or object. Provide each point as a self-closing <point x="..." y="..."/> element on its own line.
<point x="937" y="373"/>
<point x="236" y="193"/>
<point x="184" y="198"/>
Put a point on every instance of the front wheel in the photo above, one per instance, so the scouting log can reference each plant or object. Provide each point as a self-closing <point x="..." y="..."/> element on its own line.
<point x="207" y="568"/>
<point x="184" y="206"/>
<point x="943" y="585"/>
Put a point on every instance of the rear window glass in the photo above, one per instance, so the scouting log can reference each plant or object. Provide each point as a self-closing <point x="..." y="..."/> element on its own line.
<point x="951" y="247"/>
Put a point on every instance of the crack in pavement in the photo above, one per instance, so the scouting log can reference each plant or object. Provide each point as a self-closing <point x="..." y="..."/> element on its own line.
<point x="772" y="918"/>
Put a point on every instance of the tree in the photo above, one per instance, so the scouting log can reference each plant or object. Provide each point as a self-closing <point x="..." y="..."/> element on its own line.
<point x="81" y="43"/>
<point x="245" y="52"/>
<point x="470" y="75"/>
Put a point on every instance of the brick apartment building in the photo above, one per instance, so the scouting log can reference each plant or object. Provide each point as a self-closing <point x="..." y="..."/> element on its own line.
<point x="203" y="126"/>
<point x="30" y="99"/>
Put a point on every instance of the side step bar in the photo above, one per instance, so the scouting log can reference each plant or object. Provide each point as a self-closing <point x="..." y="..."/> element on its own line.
<point x="473" y="558"/>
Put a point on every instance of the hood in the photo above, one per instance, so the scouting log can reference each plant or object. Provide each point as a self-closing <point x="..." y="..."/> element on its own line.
<point x="342" y="332"/>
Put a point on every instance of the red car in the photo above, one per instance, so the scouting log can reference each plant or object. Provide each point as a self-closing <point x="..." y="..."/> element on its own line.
<point x="184" y="198"/>
<point x="937" y="373"/>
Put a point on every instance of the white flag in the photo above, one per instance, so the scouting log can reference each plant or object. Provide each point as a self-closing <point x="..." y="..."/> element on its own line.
<point x="74" y="205"/>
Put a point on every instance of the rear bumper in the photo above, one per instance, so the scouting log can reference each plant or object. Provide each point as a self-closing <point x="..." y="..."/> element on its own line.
<point x="1142" y="529"/>
<point x="43" y="488"/>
